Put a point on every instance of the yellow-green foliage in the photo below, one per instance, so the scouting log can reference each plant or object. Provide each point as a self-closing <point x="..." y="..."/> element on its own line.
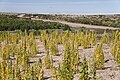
<point x="105" y="38"/>
<point x="99" y="56"/>
<point x="115" y="47"/>
<point x="17" y="50"/>
<point x="44" y="38"/>
<point x="87" y="39"/>
<point x="41" y="75"/>
<point x="84" y="70"/>
<point x="53" y="48"/>
<point x="67" y="71"/>
<point x="54" y="72"/>
<point x="47" y="61"/>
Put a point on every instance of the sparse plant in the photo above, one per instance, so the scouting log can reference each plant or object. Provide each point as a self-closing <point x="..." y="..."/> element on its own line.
<point x="105" y="38"/>
<point x="47" y="61"/>
<point x="84" y="75"/>
<point x="99" y="56"/>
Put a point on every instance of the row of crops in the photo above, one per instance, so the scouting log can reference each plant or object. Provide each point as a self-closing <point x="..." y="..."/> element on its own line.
<point x="17" y="49"/>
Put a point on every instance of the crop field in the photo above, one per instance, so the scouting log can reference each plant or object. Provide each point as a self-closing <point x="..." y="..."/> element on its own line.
<point x="60" y="55"/>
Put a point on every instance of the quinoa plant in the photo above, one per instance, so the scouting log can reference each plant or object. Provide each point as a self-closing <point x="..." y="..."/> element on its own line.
<point x="84" y="75"/>
<point x="99" y="56"/>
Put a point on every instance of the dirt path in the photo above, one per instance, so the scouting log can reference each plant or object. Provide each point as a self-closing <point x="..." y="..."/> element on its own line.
<point x="21" y="15"/>
<point x="79" y="25"/>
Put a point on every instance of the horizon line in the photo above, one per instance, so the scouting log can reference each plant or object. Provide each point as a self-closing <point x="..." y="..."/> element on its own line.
<point x="64" y="13"/>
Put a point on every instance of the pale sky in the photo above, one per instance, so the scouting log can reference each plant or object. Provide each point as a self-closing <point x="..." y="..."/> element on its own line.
<point x="61" y="6"/>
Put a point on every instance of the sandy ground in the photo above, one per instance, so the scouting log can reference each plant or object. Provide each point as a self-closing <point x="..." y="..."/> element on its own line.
<point x="21" y="15"/>
<point x="109" y="72"/>
<point x="79" y="25"/>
